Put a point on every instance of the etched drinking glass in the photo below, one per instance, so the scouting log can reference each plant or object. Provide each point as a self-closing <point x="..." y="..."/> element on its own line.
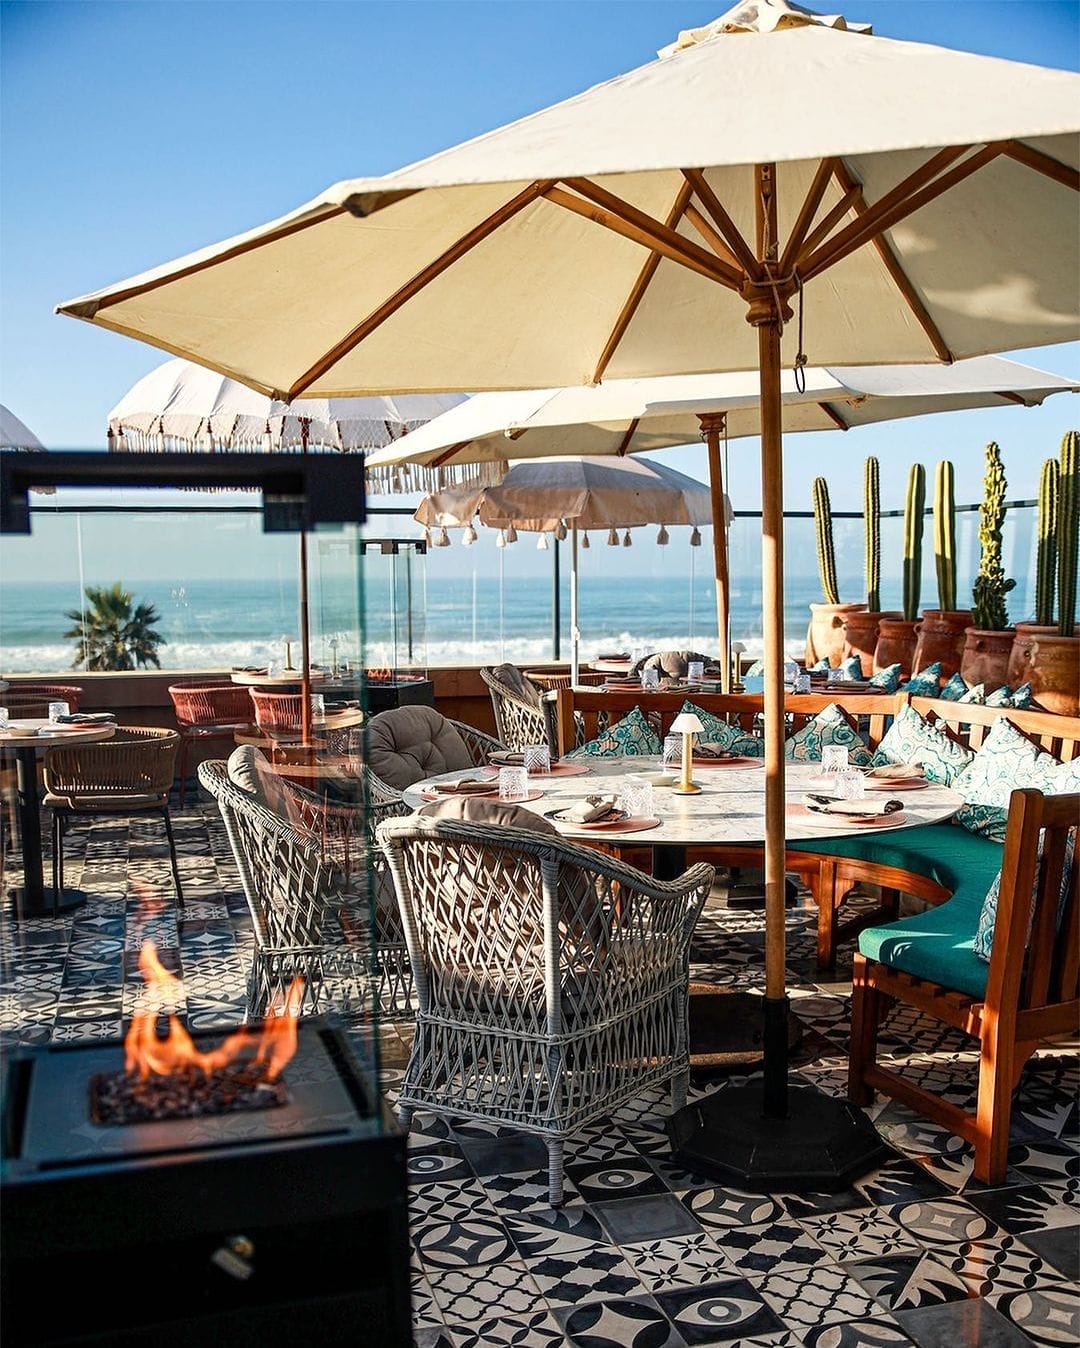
<point x="58" y="709"/>
<point x="537" y="759"/>
<point x="513" y="784"/>
<point x="834" y="758"/>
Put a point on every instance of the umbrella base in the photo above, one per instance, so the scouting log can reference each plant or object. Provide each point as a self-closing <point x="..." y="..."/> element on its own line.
<point x="822" y="1144"/>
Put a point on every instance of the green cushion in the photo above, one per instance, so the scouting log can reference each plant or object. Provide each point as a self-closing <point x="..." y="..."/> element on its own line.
<point x="715" y="730"/>
<point x="829" y="726"/>
<point x="940" y="852"/>
<point x="936" y="944"/>
<point x="631" y="737"/>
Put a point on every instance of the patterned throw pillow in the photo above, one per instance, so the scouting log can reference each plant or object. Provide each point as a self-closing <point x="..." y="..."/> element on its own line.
<point x="822" y="666"/>
<point x="730" y="737"/>
<point x="758" y="667"/>
<point x="983" y="943"/>
<point x="1005" y="763"/>
<point x="954" y="690"/>
<point x="1000" y="697"/>
<point x="632" y="737"/>
<point x="976" y="694"/>
<point x="829" y="726"/>
<point x="925" y="683"/>
<point x="887" y="678"/>
<point x="912" y="739"/>
<point x="851" y="668"/>
<point x="1023" y="697"/>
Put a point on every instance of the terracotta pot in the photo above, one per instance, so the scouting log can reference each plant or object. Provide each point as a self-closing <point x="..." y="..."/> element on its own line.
<point x="1020" y="660"/>
<point x="860" y="636"/>
<point x="1054" y="670"/>
<point x="986" y="657"/>
<point x="941" y="637"/>
<point x="825" y="635"/>
<point x="895" y="645"/>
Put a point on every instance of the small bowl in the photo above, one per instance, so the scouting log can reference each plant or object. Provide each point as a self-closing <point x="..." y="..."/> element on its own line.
<point x="661" y="778"/>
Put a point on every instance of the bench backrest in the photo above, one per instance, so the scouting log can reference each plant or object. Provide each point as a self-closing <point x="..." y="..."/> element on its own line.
<point x="582" y="713"/>
<point x="970" y="724"/>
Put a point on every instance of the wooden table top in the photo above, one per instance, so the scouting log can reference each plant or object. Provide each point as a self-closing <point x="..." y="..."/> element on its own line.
<point x="46" y="733"/>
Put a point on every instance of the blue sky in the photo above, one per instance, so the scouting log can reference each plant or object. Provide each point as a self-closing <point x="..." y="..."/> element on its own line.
<point x="133" y="132"/>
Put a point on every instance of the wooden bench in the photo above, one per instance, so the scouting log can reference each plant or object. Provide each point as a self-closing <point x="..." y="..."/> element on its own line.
<point x="1026" y="993"/>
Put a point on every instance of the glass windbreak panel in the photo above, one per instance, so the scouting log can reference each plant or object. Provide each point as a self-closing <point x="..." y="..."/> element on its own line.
<point x="395" y="614"/>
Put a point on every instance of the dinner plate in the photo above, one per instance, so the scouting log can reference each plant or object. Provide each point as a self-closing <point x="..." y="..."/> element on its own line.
<point x="815" y="819"/>
<point x="615" y="817"/>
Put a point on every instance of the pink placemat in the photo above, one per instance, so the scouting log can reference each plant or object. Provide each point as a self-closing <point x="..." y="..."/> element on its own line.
<point x="801" y="815"/>
<point x="738" y="761"/>
<point x="636" y="824"/>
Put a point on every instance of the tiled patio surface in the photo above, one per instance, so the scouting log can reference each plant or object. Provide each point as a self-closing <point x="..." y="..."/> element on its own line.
<point x="644" y="1254"/>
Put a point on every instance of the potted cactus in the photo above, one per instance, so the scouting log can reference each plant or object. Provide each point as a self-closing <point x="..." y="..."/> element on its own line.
<point x="990" y="638"/>
<point x="1047" y="654"/>
<point x="825" y="636"/>
<point x="942" y="630"/>
<point x="861" y="629"/>
<point x="897" y="636"/>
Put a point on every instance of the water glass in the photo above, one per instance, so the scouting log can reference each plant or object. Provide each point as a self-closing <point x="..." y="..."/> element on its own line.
<point x="650" y="679"/>
<point x="802" y="683"/>
<point x="850" y="785"/>
<point x="672" y="755"/>
<point x="318" y="707"/>
<point x="834" y="758"/>
<point x="58" y="709"/>
<point x="695" y="671"/>
<point x="637" y="797"/>
<point x="513" y="784"/>
<point x="3" y="717"/>
<point x="537" y="759"/>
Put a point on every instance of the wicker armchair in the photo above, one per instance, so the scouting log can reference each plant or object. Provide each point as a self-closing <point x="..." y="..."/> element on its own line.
<point x="552" y="981"/>
<point x="291" y="891"/>
<point x="518" y="707"/>
<point x="127" y="774"/>
<point x="208" y="711"/>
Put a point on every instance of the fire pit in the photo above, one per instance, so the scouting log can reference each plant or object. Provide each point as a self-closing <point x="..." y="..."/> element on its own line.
<point x="280" y="1224"/>
<point x="385" y="688"/>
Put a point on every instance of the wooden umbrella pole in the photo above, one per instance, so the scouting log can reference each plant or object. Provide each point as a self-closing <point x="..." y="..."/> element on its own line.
<point x="712" y="424"/>
<point x="305" y="632"/>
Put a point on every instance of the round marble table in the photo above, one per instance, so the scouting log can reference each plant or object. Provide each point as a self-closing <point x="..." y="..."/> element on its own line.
<point x="33" y="899"/>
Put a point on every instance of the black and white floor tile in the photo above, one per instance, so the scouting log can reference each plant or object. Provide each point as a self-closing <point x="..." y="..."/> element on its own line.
<point x="645" y="1253"/>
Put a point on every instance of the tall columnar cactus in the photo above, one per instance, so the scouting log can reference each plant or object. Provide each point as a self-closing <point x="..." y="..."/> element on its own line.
<point x="1068" y="520"/>
<point x="945" y="534"/>
<point x="1046" y="549"/>
<point x="826" y="552"/>
<point x="872" y="517"/>
<point x="913" y="532"/>
<point x="991" y="587"/>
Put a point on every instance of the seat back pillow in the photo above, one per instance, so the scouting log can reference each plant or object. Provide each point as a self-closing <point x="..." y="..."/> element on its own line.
<point x="829" y="726"/>
<point x="632" y="737"/>
<point x="407" y="744"/>
<point x="912" y="739"/>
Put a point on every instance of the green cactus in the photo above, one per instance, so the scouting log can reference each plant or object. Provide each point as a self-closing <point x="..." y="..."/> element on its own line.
<point x="872" y="517"/>
<point x="1068" y="520"/>
<point x="826" y="553"/>
<point x="913" y="532"/>
<point x="1046" y="550"/>
<point x="945" y="534"/>
<point x="991" y="587"/>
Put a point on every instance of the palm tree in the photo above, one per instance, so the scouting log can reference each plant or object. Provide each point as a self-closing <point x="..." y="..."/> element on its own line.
<point x="111" y="633"/>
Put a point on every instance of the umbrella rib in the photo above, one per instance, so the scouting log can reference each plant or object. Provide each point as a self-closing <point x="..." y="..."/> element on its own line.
<point x="1043" y="163"/>
<point x="834" y="416"/>
<point x="728" y="229"/>
<point x="711" y="236"/>
<point x="806" y="214"/>
<point x="415" y="284"/>
<point x="918" y="189"/>
<point x="620" y="216"/>
<point x="624" y="443"/>
<point x="892" y="265"/>
<point x="641" y="284"/>
<point x="822" y="231"/>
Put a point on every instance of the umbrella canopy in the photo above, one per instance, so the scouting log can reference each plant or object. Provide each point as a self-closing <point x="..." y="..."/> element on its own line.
<point x="180" y="405"/>
<point x="908" y="202"/>
<point x="543" y="494"/>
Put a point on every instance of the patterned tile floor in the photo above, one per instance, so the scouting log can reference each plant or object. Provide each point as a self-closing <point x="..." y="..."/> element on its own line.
<point x="644" y="1254"/>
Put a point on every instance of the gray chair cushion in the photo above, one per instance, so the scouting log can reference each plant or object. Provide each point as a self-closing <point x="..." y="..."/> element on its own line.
<point x="248" y="769"/>
<point x="517" y="683"/>
<point x="484" y="810"/>
<point x="408" y="744"/>
<point x="672" y="664"/>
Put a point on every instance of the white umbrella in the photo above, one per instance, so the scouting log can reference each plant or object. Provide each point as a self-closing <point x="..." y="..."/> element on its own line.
<point x="548" y="495"/>
<point x="15" y="434"/>
<point x="183" y="406"/>
<point x="910" y="202"/>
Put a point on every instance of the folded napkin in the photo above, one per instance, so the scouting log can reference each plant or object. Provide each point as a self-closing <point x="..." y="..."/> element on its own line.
<point x="712" y="751"/>
<point x="614" y="655"/>
<point x="249" y="669"/>
<point x="828" y="805"/>
<point x="466" y="788"/>
<point x="86" y="718"/>
<point x="589" y="810"/>
<point x="894" y="772"/>
<point x="509" y="758"/>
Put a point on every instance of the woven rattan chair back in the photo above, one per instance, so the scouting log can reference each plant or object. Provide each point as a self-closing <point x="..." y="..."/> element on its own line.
<point x="21" y="694"/>
<point x="551" y="981"/>
<point x="518" y="722"/>
<point x="208" y="711"/>
<point x="277" y="713"/>
<point x="127" y="774"/>
<point x="478" y="744"/>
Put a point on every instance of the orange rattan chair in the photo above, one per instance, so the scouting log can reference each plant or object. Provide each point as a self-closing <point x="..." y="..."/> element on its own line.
<point x="21" y="696"/>
<point x="208" y="711"/>
<point x="277" y="714"/>
<point x="127" y="774"/>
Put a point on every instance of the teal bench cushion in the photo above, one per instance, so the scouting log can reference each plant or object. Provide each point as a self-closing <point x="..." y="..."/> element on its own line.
<point x="939" y="852"/>
<point x="936" y="944"/>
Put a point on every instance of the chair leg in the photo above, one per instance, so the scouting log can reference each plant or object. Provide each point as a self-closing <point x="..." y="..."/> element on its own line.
<point x="184" y="742"/>
<point x="866" y="1009"/>
<point x="998" y="1071"/>
<point x="57" y="860"/>
<point x="680" y="1084"/>
<point x="555" y="1171"/>
<point x="172" y="854"/>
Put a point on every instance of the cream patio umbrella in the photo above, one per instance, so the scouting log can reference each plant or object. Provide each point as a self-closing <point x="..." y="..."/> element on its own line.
<point x="906" y="202"/>
<point x="183" y="406"/>
<point x="574" y="492"/>
<point x="626" y="416"/>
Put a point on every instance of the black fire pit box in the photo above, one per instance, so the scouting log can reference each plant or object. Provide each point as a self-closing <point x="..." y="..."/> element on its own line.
<point x="388" y="694"/>
<point x="282" y="1226"/>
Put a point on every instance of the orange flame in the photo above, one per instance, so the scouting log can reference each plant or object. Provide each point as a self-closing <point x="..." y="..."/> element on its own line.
<point x="379" y="674"/>
<point x="146" y="1055"/>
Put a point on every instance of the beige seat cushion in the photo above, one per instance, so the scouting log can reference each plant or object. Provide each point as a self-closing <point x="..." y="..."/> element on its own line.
<point x="481" y="810"/>
<point x="671" y="664"/>
<point x="407" y="744"/>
